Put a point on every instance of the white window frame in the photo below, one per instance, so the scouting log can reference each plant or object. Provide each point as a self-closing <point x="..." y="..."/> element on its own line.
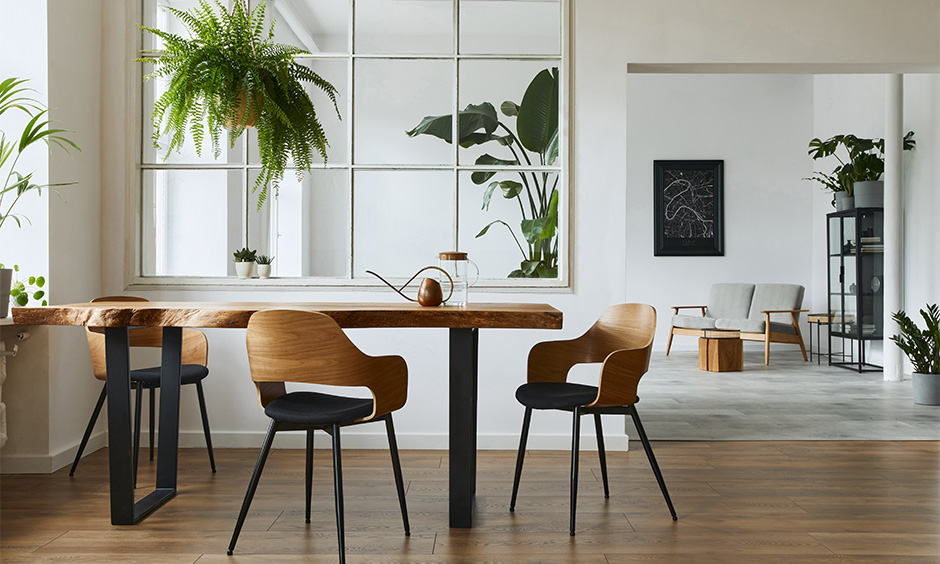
<point x="135" y="278"/>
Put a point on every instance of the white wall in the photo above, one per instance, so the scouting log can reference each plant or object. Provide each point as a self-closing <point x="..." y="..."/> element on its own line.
<point x="610" y="181"/>
<point x="759" y="125"/>
<point x="74" y="96"/>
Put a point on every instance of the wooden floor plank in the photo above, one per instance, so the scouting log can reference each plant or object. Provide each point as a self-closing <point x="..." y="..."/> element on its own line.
<point x="738" y="502"/>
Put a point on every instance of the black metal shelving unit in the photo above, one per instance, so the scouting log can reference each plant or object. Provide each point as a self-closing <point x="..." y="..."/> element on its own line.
<point x="856" y="275"/>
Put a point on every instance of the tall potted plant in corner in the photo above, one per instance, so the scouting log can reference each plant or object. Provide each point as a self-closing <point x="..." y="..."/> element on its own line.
<point x="922" y="348"/>
<point x="231" y="75"/>
<point x="535" y="142"/>
<point x="14" y="96"/>
<point x="857" y="181"/>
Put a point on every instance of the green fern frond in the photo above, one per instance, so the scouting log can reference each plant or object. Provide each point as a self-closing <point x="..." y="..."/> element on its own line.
<point x="229" y="58"/>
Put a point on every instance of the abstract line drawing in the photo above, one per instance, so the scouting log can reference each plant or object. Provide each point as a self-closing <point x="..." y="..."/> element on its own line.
<point x="688" y="208"/>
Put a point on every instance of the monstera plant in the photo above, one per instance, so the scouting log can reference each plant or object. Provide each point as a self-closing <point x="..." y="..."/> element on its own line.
<point x="230" y="74"/>
<point x="533" y="143"/>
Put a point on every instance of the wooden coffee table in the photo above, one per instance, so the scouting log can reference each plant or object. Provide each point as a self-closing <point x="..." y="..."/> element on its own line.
<point x="720" y="350"/>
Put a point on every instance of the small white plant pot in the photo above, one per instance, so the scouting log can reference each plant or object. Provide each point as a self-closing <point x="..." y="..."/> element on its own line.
<point x="244" y="269"/>
<point x="264" y="271"/>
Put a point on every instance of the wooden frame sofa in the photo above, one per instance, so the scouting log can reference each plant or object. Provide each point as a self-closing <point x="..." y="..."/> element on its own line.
<point x="761" y="312"/>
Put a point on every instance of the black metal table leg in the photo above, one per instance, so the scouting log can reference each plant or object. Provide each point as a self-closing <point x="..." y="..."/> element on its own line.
<point x="120" y="464"/>
<point x="464" y="345"/>
<point x="123" y="509"/>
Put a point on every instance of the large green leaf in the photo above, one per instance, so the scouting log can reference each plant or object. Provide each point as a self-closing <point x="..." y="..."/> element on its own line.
<point x="537" y="121"/>
<point x="481" y="176"/>
<point x="510" y="189"/>
<point x="470" y="121"/>
<point x="532" y="229"/>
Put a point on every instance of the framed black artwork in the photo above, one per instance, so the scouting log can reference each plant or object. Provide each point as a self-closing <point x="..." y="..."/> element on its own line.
<point x="688" y="208"/>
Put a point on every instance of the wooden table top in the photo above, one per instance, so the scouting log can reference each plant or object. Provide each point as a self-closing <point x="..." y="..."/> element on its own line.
<point x="236" y="314"/>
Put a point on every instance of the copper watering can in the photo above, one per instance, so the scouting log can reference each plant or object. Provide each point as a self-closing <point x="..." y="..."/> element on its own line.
<point x="429" y="292"/>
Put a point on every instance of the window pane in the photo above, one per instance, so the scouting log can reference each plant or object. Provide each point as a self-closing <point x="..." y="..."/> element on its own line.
<point x="495" y="82"/>
<point x="306" y="226"/>
<point x="392" y="97"/>
<point x="191" y="222"/>
<point x="510" y="27"/>
<point x="502" y="250"/>
<point x="404" y="26"/>
<point x="316" y="26"/>
<point x="335" y="72"/>
<point x="402" y="220"/>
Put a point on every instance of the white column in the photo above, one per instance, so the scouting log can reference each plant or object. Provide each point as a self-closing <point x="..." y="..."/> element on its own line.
<point x="893" y="286"/>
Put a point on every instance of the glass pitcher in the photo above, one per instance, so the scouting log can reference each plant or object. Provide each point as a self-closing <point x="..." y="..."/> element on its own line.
<point x="457" y="265"/>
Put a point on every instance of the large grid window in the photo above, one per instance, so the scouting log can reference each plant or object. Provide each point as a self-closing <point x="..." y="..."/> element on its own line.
<point x="384" y="201"/>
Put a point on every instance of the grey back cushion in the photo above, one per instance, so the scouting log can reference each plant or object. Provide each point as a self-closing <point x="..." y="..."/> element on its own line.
<point x="729" y="300"/>
<point x="776" y="296"/>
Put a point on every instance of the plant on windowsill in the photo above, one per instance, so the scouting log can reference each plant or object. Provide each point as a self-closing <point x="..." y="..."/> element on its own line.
<point x="230" y="68"/>
<point x="922" y="348"/>
<point x="244" y="262"/>
<point x="14" y="96"/>
<point x="537" y="194"/>
<point x="264" y="265"/>
<point x="865" y="164"/>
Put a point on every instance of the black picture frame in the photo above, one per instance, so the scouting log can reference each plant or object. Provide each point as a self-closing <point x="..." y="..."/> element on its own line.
<point x="688" y="208"/>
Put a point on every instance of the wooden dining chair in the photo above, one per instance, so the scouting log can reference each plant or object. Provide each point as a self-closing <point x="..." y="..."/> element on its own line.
<point x="309" y="347"/>
<point x="622" y="339"/>
<point x="195" y="354"/>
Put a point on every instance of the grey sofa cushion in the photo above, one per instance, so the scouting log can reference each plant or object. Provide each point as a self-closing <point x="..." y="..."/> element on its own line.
<point x="730" y="301"/>
<point x="754" y="326"/>
<point x="776" y="296"/>
<point x="693" y="322"/>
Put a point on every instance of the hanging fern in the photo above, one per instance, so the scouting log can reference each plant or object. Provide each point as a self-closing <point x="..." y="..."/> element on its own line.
<point x="229" y="69"/>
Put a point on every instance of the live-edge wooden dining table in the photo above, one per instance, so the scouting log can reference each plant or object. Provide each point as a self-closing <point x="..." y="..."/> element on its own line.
<point x="116" y="318"/>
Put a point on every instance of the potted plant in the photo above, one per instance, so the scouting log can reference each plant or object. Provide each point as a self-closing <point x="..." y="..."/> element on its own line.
<point x="14" y="96"/>
<point x="231" y="75"/>
<point x="244" y="262"/>
<point x="860" y="176"/>
<point x="536" y="120"/>
<point x="264" y="266"/>
<point x="922" y="348"/>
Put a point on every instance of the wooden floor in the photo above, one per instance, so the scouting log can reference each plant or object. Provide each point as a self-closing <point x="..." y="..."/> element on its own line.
<point x="765" y="502"/>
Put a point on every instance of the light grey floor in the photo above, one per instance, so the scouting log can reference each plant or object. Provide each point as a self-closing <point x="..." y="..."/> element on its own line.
<point x="788" y="400"/>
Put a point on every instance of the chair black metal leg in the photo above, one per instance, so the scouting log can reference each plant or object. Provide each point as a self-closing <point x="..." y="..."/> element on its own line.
<point x="205" y="423"/>
<point x="523" y="438"/>
<point x="308" y="478"/>
<point x="153" y="418"/>
<point x="89" y="428"/>
<point x="396" y="467"/>
<point x="139" y="394"/>
<point x="652" y="458"/>
<point x="338" y="493"/>
<point x="601" y="452"/>
<point x="253" y="484"/>
<point x="575" y="448"/>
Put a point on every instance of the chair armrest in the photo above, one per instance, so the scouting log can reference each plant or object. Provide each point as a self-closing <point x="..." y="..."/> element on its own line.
<point x="620" y="376"/>
<point x="388" y="382"/>
<point x="675" y="309"/>
<point x="783" y="310"/>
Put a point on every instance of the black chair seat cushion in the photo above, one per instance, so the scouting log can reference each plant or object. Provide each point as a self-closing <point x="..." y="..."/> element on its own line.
<point x="555" y="395"/>
<point x="314" y="408"/>
<point x="150" y="377"/>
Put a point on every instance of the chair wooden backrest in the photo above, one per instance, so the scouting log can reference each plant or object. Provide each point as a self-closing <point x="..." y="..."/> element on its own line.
<point x="195" y="345"/>
<point x="622" y="339"/>
<point x="309" y="347"/>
